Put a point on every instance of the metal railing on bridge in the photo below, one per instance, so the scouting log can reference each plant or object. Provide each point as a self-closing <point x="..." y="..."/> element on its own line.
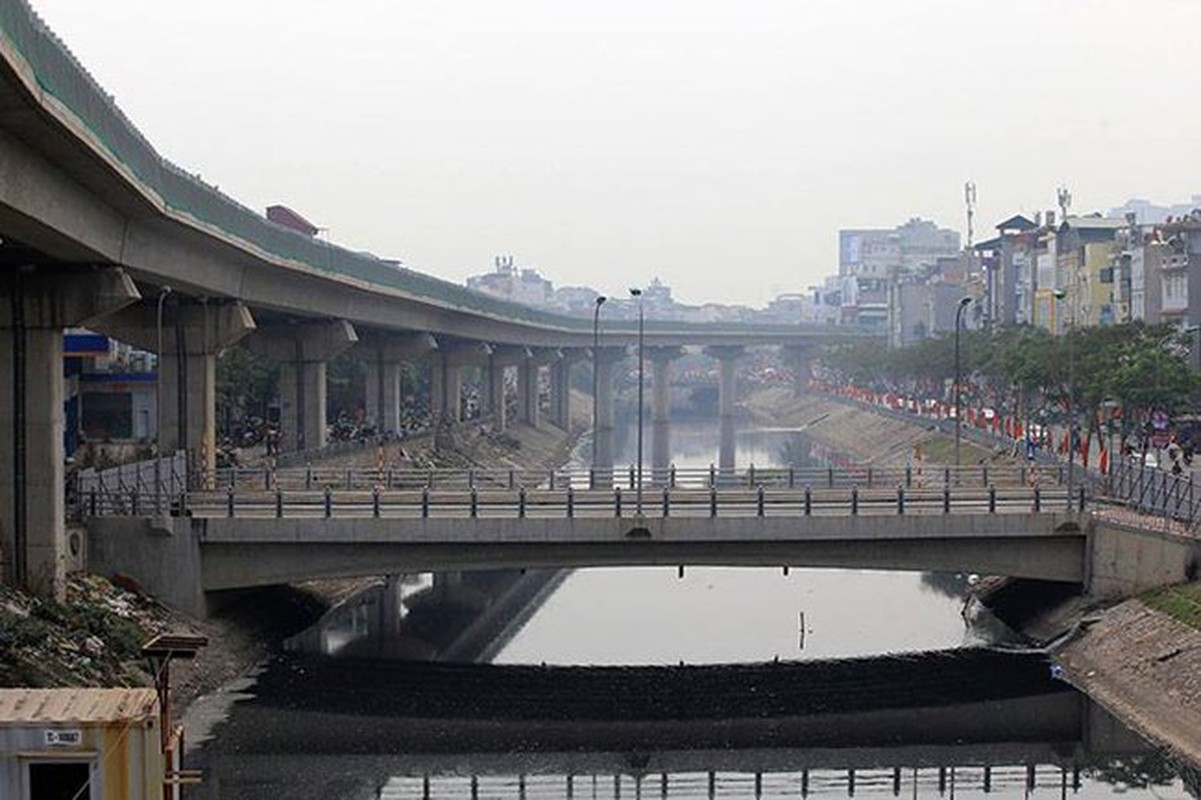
<point x="569" y="503"/>
<point x="1151" y="490"/>
<point x="142" y="487"/>
<point x="565" y="494"/>
<point x="357" y="478"/>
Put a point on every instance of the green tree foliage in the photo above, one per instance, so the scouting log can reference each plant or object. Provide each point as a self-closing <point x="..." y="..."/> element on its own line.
<point x="345" y="386"/>
<point x="1028" y="371"/>
<point x="245" y="386"/>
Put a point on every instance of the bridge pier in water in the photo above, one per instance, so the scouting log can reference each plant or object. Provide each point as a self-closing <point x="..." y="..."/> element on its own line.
<point x="35" y="307"/>
<point x="661" y="358"/>
<point x="602" y="463"/>
<point x="303" y="350"/>
<point x="727" y="395"/>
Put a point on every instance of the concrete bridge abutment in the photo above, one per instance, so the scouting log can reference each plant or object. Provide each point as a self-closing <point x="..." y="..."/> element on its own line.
<point x="1124" y="560"/>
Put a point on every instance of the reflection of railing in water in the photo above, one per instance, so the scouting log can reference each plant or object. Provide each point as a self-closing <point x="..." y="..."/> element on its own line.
<point x="969" y="720"/>
<point x="896" y="781"/>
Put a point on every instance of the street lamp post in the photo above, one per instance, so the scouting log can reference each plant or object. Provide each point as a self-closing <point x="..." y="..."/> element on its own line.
<point x="637" y="294"/>
<point x="958" y="378"/>
<point x="600" y="301"/>
<point x="1059" y="294"/>
<point x="158" y="401"/>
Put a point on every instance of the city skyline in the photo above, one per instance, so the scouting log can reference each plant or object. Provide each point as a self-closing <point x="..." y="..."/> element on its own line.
<point x="718" y="148"/>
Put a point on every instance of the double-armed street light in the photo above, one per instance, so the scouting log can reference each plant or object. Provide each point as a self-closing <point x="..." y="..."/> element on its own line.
<point x="637" y="295"/>
<point x="600" y="301"/>
<point x="963" y="304"/>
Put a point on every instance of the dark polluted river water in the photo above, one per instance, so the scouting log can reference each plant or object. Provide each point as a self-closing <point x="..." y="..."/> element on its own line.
<point x="713" y="683"/>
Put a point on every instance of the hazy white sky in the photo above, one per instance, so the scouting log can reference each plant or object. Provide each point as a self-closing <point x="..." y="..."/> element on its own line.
<point x="718" y="145"/>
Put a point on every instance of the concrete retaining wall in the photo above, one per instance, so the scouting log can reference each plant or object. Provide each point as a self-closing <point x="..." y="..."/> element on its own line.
<point x="162" y="554"/>
<point x="1125" y="560"/>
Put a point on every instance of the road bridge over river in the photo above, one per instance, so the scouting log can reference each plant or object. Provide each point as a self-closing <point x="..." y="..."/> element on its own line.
<point x="244" y="536"/>
<point x="97" y="229"/>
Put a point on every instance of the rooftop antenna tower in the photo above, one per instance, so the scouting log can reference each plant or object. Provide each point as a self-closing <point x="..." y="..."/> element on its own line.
<point x="969" y="200"/>
<point x="1064" y="198"/>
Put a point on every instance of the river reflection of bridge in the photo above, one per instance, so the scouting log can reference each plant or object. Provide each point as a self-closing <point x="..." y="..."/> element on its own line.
<point x="1004" y="781"/>
<point x="869" y="726"/>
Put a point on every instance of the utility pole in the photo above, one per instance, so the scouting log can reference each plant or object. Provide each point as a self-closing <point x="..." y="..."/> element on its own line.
<point x="969" y="200"/>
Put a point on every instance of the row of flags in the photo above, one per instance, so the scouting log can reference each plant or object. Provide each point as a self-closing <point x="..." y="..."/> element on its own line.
<point x="985" y="419"/>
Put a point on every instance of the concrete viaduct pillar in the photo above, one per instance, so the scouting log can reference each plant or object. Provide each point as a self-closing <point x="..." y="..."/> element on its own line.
<point x="799" y="359"/>
<point x="528" y="373"/>
<point x="303" y="350"/>
<point x="602" y="454"/>
<point x="560" y="388"/>
<point x="384" y="356"/>
<point x="727" y="359"/>
<point x="501" y="359"/>
<point x="35" y="306"/>
<point x="661" y="358"/>
<point x="188" y="335"/>
<point x="446" y="377"/>
<point x="527" y="392"/>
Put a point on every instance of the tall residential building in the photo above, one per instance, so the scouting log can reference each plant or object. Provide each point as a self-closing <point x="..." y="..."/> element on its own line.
<point x="877" y="254"/>
<point x="1085" y="249"/>
<point x="1147" y="213"/>
<point x="1180" y="270"/>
